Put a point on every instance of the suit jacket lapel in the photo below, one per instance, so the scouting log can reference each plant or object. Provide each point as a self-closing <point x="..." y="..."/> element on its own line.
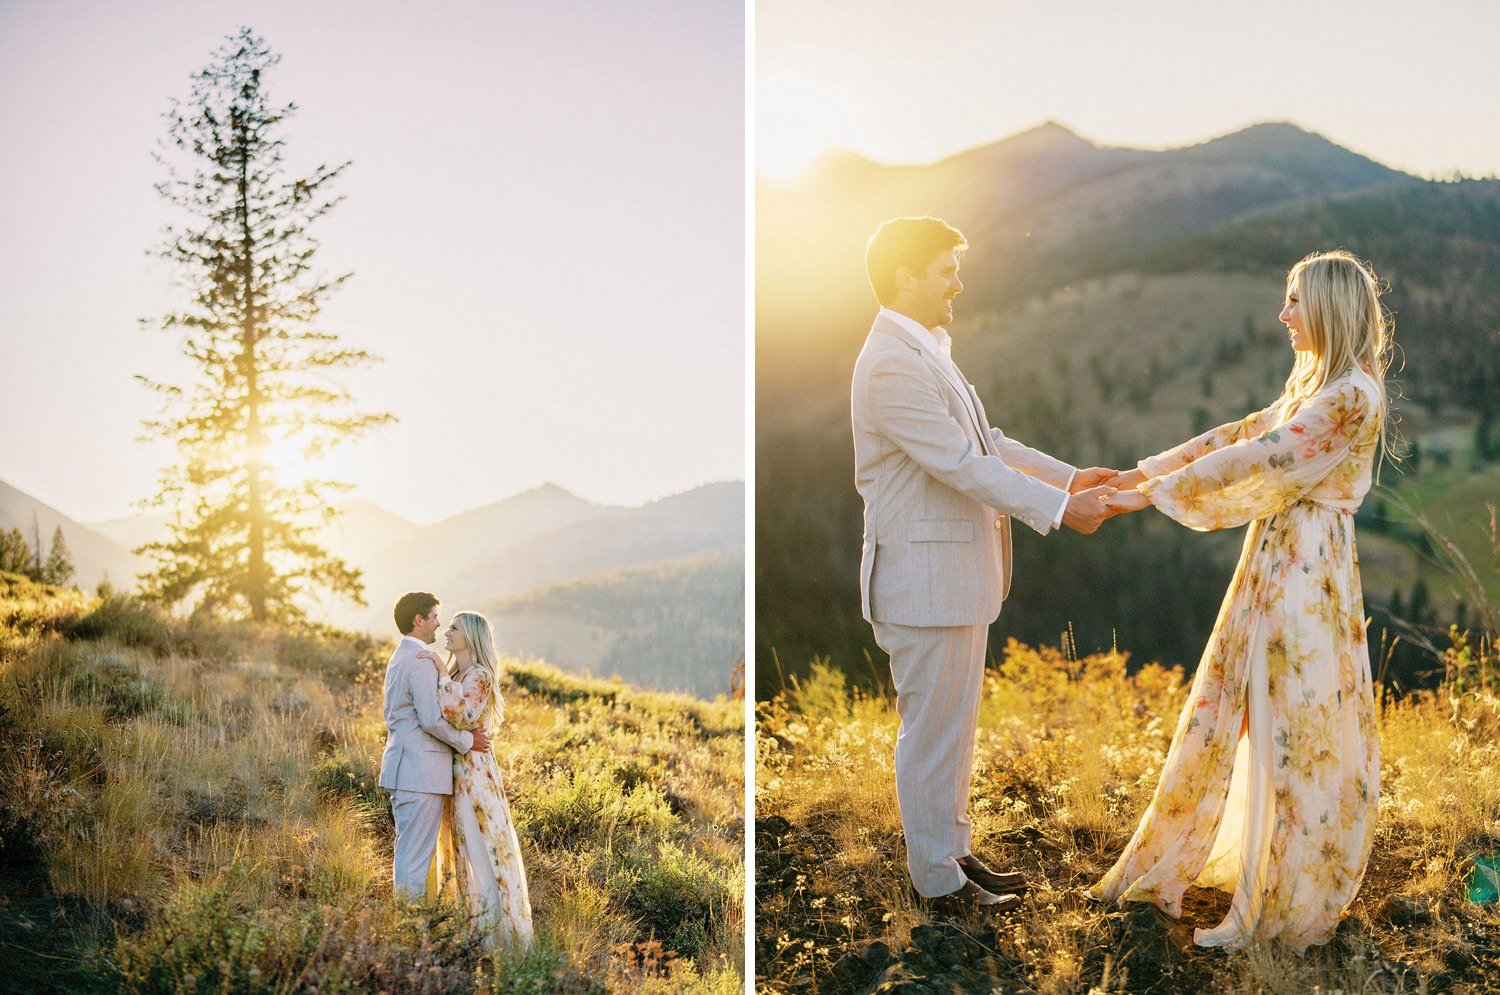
<point x="961" y="390"/>
<point x="965" y="397"/>
<point x="984" y="420"/>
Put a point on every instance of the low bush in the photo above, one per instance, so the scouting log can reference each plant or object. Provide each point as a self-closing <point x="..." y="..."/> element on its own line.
<point x="542" y="969"/>
<point x="592" y="804"/>
<point x="27" y="606"/>
<point x="128" y="621"/>
<point x="558" y="687"/>
<point x="115" y="683"/>
<point x="339" y="775"/>
<point x="208" y="941"/>
<point x="680" y="899"/>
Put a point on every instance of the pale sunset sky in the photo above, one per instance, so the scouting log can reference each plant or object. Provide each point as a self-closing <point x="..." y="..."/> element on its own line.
<point x="544" y="216"/>
<point x="1415" y="86"/>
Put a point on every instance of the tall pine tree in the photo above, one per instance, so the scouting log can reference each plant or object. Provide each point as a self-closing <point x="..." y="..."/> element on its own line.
<point x="59" y="568"/>
<point x="15" y="553"/>
<point x="242" y="540"/>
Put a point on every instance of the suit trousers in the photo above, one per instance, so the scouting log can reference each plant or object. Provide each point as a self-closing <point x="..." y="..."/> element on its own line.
<point x="418" y="815"/>
<point x="939" y="677"/>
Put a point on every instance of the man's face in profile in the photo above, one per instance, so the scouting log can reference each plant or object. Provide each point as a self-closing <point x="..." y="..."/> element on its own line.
<point x="930" y="293"/>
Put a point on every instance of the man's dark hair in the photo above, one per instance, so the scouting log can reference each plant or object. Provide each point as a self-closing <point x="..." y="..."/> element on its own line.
<point x="409" y="607"/>
<point x="909" y="242"/>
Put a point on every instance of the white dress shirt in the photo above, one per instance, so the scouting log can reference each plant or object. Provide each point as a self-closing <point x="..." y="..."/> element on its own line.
<point x="939" y="345"/>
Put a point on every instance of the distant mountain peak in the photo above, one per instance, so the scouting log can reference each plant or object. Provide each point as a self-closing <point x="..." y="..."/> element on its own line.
<point x="1290" y="147"/>
<point x="548" y="492"/>
<point x="1048" y="142"/>
<point x="1271" y="135"/>
<point x="1048" y="134"/>
<point x="1055" y="129"/>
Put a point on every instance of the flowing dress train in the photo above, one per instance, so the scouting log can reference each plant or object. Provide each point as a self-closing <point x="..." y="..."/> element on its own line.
<point x="478" y="855"/>
<point x="1283" y="816"/>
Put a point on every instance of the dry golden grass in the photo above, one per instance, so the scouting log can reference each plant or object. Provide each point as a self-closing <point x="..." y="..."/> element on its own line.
<point x="193" y="806"/>
<point x="1069" y="753"/>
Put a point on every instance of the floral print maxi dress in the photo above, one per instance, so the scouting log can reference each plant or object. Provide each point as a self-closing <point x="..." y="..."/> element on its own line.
<point x="1282" y="817"/>
<point x="478" y="854"/>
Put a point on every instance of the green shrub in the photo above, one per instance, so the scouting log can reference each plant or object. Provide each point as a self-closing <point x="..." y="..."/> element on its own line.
<point x="542" y="969"/>
<point x="30" y="606"/>
<point x="680" y="898"/>
<point x="580" y="805"/>
<point x="212" y="640"/>
<point x="326" y="651"/>
<point x="558" y="687"/>
<point x="207" y="941"/>
<point x="128" y="621"/>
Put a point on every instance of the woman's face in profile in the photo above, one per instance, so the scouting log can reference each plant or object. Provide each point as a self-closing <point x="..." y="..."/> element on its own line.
<point x="1291" y="317"/>
<point x="453" y="639"/>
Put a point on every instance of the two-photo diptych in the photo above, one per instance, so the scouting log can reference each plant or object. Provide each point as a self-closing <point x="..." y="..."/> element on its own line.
<point x="578" y="498"/>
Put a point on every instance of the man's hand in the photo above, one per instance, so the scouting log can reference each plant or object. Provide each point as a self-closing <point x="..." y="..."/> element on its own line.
<point x="1092" y="477"/>
<point x="481" y="741"/>
<point x="1127" y="481"/>
<point x="1086" y="510"/>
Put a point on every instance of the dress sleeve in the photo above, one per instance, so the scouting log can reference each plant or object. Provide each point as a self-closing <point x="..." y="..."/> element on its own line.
<point x="1258" y="476"/>
<point x="1215" y="438"/>
<point x="463" y="701"/>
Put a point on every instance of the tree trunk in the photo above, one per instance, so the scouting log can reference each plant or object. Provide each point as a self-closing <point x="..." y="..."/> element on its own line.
<point x="255" y="437"/>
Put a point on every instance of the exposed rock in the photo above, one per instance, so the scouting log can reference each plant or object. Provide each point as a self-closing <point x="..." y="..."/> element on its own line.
<point x="1400" y="910"/>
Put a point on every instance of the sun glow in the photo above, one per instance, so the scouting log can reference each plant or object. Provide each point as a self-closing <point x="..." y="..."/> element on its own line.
<point x="788" y="138"/>
<point x="287" y="464"/>
<point x="785" y="157"/>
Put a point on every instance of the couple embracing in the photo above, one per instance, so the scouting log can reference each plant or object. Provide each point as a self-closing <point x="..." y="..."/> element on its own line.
<point x="1269" y="788"/>
<point x="446" y="792"/>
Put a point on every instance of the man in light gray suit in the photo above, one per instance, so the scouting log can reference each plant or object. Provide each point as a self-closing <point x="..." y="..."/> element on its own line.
<point x="417" y="766"/>
<point x="940" y="486"/>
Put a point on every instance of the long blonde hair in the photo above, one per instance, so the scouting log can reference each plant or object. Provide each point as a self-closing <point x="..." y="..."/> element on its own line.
<point x="480" y="638"/>
<point x="1347" y="327"/>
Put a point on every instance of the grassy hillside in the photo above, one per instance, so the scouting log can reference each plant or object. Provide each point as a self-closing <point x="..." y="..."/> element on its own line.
<point x="676" y="625"/>
<point x="188" y="805"/>
<point x="1069" y="753"/>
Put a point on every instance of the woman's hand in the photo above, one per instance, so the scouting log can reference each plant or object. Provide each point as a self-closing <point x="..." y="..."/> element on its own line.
<point x="437" y="661"/>
<point x="1129" y="480"/>
<point x="1121" y="502"/>
<point x="1091" y="477"/>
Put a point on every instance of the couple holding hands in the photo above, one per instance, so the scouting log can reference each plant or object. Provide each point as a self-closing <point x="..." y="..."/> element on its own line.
<point x="1269" y="787"/>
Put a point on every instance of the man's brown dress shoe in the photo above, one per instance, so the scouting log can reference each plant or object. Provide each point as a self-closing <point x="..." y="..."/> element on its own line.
<point x="990" y="880"/>
<point x="968" y="900"/>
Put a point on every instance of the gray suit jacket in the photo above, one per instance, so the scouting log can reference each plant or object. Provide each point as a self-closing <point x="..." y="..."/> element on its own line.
<point x="938" y="488"/>
<point x="419" y="742"/>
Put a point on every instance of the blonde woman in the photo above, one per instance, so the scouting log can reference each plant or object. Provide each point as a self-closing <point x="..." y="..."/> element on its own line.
<point x="1270" y="785"/>
<point x="477" y="853"/>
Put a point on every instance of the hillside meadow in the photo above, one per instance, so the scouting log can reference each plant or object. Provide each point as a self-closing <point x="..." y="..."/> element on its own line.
<point x="190" y="805"/>
<point x="1069" y="753"/>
